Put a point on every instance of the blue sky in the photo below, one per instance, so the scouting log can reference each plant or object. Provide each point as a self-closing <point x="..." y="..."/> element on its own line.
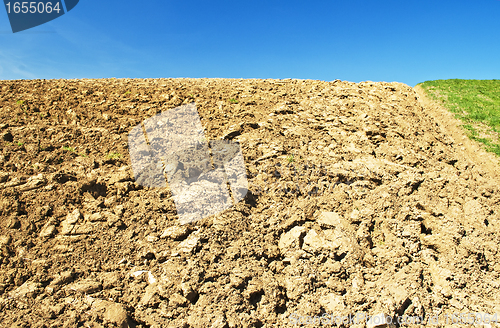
<point x="404" y="41"/>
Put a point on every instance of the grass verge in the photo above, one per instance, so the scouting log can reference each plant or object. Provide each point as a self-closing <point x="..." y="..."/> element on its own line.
<point x="475" y="102"/>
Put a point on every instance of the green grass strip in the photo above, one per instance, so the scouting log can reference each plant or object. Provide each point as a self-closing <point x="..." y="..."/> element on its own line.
<point x="475" y="102"/>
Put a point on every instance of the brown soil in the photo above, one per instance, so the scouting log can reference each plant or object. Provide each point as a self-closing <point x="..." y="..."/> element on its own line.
<point x="361" y="200"/>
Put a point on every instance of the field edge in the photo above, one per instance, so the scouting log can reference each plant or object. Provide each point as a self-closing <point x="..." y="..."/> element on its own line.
<point x="473" y="150"/>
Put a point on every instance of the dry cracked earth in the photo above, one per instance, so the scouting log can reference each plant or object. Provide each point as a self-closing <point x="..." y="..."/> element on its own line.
<point x="359" y="201"/>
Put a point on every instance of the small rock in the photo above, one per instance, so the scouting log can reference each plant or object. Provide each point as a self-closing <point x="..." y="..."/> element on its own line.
<point x="330" y="219"/>
<point x="74" y="216"/>
<point x="83" y="229"/>
<point x="177" y="300"/>
<point x="114" y="313"/>
<point x="57" y="309"/>
<point x="108" y="202"/>
<point x="117" y="314"/>
<point x="313" y="241"/>
<point x="162" y="256"/>
<point x="122" y="176"/>
<point x="151" y="238"/>
<point x="63" y="248"/>
<point x="355" y="215"/>
<point x="62" y="279"/>
<point x="22" y="252"/>
<point x="175" y="232"/>
<point x="333" y="304"/>
<point x="85" y="286"/>
<point x="151" y="277"/>
<point x="47" y="231"/>
<point x="5" y="240"/>
<point x="400" y="295"/>
<point x="49" y="187"/>
<point x="96" y="217"/>
<point x="34" y="182"/>
<point x="111" y="279"/>
<point x="25" y="290"/>
<point x="42" y="212"/>
<point x="112" y="219"/>
<point x="188" y="245"/>
<point x="148" y="299"/>
<point x="292" y="238"/>
<point x="68" y="225"/>
<point x="123" y="261"/>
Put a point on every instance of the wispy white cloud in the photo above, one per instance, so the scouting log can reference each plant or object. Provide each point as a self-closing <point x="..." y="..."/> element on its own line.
<point x="68" y="48"/>
<point x="13" y="66"/>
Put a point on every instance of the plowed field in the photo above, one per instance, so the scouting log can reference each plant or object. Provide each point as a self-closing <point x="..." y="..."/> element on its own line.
<point x="361" y="200"/>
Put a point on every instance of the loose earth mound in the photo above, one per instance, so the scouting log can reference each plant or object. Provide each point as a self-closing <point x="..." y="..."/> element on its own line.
<point x="359" y="201"/>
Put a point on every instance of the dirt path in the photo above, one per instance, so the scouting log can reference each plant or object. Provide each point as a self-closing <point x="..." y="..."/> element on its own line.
<point x="358" y="202"/>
